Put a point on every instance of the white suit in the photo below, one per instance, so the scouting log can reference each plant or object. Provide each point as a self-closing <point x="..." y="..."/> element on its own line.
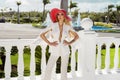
<point x="57" y="51"/>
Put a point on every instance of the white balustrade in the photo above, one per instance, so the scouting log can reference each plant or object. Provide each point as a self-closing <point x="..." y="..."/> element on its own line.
<point x="116" y="57"/>
<point x="89" y="42"/>
<point x="43" y="60"/>
<point x="85" y="63"/>
<point x="73" y="62"/>
<point x="32" y="63"/>
<point x="107" y="57"/>
<point x="20" y="68"/>
<point x="81" y="55"/>
<point x="8" y="63"/>
<point x="99" y="58"/>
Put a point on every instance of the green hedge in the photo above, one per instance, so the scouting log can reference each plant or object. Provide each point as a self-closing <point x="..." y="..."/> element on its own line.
<point x="38" y="25"/>
<point x="103" y="24"/>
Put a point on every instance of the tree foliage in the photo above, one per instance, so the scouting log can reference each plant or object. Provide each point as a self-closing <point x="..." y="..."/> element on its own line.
<point x="72" y="5"/>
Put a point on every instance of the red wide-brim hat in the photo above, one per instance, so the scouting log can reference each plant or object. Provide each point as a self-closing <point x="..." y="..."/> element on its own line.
<point x="55" y="11"/>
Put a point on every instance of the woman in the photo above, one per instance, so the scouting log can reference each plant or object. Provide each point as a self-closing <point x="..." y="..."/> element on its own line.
<point x="59" y="31"/>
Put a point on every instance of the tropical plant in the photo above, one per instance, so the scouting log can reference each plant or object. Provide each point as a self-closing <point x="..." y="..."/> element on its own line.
<point x="75" y="13"/>
<point x="2" y="12"/>
<point x="72" y="5"/>
<point x="11" y="13"/>
<point x="109" y="10"/>
<point x="45" y="2"/>
<point x="118" y="14"/>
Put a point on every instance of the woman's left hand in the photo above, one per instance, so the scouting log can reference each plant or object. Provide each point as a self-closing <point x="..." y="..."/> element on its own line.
<point x="66" y="42"/>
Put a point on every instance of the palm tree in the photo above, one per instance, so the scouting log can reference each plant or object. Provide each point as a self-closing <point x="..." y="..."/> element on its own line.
<point x="118" y="13"/>
<point x="2" y="12"/>
<point x="64" y="5"/>
<point x="109" y="9"/>
<point x="72" y="5"/>
<point x="10" y="14"/>
<point x="45" y="2"/>
<point x="18" y="4"/>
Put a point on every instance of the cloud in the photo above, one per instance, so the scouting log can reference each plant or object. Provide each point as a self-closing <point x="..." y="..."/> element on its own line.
<point x="26" y="5"/>
<point x="37" y="5"/>
<point x="96" y="1"/>
<point x="24" y="2"/>
<point x="118" y="3"/>
<point x="12" y="4"/>
<point x="55" y="3"/>
<point x="96" y="7"/>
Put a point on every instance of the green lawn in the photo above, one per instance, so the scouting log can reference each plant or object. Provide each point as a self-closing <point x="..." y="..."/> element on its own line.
<point x="112" y="51"/>
<point x="103" y="52"/>
<point x="14" y="60"/>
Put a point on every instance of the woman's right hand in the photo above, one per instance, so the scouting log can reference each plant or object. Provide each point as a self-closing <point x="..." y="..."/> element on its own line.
<point x="55" y="43"/>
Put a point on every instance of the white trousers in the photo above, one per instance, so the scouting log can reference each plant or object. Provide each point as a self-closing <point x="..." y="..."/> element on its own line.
<point x="56" y="52"/>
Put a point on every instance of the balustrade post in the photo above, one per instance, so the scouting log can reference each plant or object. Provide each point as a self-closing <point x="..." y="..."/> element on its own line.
<point x="73" y="62"/>
<point x="80" y="47"/>
<point x="86" y="59"/>
<point x="20" y="68"/>
<point x="43" y="60"/>
<point x="107" y="58"/>
<point x="7" y="63"/>
<point x="116" y="58"/>
<point x="88" y="51"/>
<point x="98" y="70"/>
<point x="32" y="62"/>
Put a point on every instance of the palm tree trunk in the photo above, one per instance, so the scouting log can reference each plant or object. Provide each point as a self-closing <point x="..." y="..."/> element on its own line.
<point x="64" y="5"/>
<point x="117" y="18"/>
<point x="2" y="14"/>
<point x="43" y="13"/>
<point x="18" y="21"/>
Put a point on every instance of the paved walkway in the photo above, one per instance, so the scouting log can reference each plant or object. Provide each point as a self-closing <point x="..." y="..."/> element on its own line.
<point x="27" y="31"/>
<point x="18" y="31"/>
<point x="110" y="34"/>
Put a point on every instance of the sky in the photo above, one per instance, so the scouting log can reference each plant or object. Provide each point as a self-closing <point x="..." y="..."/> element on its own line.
<point x="37" y="5"/>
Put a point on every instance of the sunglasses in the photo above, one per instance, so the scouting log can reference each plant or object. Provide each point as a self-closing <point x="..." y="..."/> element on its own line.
<point x="60" y="14"/>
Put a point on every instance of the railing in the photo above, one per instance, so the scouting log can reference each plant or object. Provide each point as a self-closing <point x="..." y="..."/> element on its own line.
<point x="108" y="41"/>
<point x="88" y="60"/>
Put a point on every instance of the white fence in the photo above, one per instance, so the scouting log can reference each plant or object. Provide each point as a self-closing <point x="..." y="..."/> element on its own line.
<point x="88" y="62"/>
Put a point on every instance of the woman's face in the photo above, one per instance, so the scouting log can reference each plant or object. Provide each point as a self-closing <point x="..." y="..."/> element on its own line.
<point x="60" y="16"/>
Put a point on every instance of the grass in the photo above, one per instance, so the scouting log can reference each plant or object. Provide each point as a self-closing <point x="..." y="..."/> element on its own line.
<point x="14" y="60"/>
<point x="110" y="31"/>
<point x="103" y="53"/>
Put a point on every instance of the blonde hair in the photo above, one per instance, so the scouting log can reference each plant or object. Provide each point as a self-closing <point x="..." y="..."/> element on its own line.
<point x="66" y="21"/>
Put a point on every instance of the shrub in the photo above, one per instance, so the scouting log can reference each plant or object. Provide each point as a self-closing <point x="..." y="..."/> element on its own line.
<point x="14" y="50"/>
<point x="26" y="20"/>
<point x="38" y="25"/>
<point x="26" y="50"/>
<point x="2" y="50"/>
<point x="103" y="24"/>
<point x="38" y="56"/>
